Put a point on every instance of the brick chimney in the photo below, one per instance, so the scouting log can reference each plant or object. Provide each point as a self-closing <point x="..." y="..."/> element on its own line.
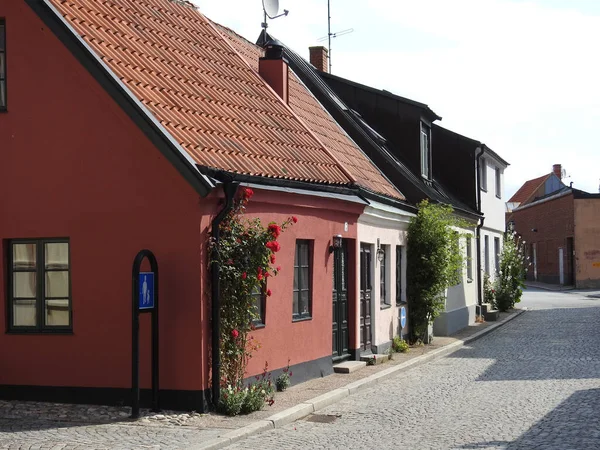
<point x="557" y="169"/>
<point x="273" y="67"/>
<point x="319" y="57"/>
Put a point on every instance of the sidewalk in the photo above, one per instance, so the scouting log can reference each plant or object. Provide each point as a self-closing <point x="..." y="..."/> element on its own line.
<point x="211" y="431"/>
<point x="547" y="286"/>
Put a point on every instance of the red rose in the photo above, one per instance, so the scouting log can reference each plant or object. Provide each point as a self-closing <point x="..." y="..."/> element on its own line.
<point x="294" y="219"/>
<point x="272" y="259"/>
<point x="275" y="230"/>
<point x="244" y="276"/>
<point x="259" y="276"/>
<point x="269" y="292"/>
<point x="278" y="268"/>
<point x="230" y="261"/>
<point x="267" y="274"/>
<point x="273" y="246"/>
<point x="247" y="193"/>
<point x="235" y="333"/>
<point x="260" y="270"/>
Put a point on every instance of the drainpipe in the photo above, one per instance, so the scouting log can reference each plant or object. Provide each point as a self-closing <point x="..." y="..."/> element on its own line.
<point x="479" y="286"/>
<point x="229" y="189"/>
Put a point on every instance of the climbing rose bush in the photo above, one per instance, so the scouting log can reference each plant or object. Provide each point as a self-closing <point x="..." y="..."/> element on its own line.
<point x="510" y="280"/>
<point x="246" y="252"/>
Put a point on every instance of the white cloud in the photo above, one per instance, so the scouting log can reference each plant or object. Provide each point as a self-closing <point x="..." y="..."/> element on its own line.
<point x="520" y="76"/>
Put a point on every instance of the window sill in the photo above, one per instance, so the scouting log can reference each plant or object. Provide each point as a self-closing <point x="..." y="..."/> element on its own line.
<point x="499" y="196"/>
<point x="483" y="189"/>
<point x="301" y="319"/>
<point x="41" y="332"/>
<point x="401" y="304"/>
<point x="385" y="306"/>
<point x="469" y="280"/>
<point x="258" y="325"/>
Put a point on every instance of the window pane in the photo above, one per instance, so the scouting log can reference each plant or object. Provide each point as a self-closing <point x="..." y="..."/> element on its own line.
<point x="57" y="255"/>
<point x="24" y="284"/>
<point x="296" y="302"/>
<point x="2" y="65"/>
<point x="24" y="256"/>
<point x="57" y="312"/>
<point x="304" y="278"/>
<point x="24" y="313"/>
<point x="2" y="36"/>
<point x="296" y="274"/>
<point x="304" y="302"/>
<point x="57" y="284"/>
<point x="2" y="94"/>
<point x="304" y="254"/>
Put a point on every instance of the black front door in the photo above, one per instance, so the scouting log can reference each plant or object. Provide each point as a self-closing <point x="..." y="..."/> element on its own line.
<point x="365" y="297"/>
<point x="340" y="303"/>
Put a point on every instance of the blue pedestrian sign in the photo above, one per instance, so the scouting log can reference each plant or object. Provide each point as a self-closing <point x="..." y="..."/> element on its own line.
<point x="402" y="317"/>
<point x="146" y="294"/>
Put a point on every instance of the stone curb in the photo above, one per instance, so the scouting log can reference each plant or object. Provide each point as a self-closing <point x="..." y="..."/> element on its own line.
<point x="308" y="407"/>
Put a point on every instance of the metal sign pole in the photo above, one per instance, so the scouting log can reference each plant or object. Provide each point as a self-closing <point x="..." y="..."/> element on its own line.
<point x="144" y="299"/>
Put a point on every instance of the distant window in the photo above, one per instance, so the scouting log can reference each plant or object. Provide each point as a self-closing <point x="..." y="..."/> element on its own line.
<point x="383" y="267"/>
<point x="469" y="259"/>
<point x="486" y="249"/>
<point x="498" y="183"/>
<point x="302" y="280"/>
<point x="483" y="174"/>
<point x="425" y="151"/>
<point x="398" y="274"/>
<point x="497" y="253"/>
<point x="259" y="299"/>
<point x="2" y="65"/>
<point x="39" y="294"/>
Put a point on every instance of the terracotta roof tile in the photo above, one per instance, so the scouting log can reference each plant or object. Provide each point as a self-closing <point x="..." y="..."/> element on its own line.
<point x="200" y="89"/>
<point x="318" y="120"/>
<point x="528" y="188"/>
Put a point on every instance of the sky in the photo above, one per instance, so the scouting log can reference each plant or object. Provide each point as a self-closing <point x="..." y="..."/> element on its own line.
<point x="520" y="76"/>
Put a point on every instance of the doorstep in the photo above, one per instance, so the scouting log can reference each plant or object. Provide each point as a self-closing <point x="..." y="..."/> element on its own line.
<point x="349" y="366"/>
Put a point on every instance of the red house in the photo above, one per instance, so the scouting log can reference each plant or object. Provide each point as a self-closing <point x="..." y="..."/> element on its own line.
<point x="119" y="123"/>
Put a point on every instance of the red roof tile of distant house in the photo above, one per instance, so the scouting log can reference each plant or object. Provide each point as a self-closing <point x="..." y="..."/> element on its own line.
<point x="318" y="120"/>
<point x="528" y="189"/>
<point x="200" y="89"/>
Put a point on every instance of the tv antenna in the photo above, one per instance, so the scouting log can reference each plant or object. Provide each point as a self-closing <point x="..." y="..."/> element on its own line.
<point x="330" y="34"/>
<point x="271" y="11"/>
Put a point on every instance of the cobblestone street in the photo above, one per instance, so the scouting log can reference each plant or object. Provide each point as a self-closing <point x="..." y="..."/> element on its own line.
<point x="532" y="384"/>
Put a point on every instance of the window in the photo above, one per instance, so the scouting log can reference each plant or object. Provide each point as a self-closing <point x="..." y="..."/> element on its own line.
<point x="483" y="174"/>
<point x="425" y="151"/>
<point x="486" y="249"/>
<point x="498" y="183"/>
<point x="259" y="298"/>
<point x="365" y="267"/>
<point x="302" y="280"/>
<point x="469" y="260"/>
<point x="497" y="253"/>
<point x="398" y="274"/>
<point x="383" y="297"/>
<point x="39" y="297"/>
<point x="2" y="65"/>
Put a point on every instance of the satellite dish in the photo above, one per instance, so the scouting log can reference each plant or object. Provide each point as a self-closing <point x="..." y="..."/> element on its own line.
<point x="271" y="8"/>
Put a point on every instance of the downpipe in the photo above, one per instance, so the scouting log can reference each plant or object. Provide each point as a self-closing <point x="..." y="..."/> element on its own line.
<point x="229" y="189"/>
<point x="482" y="220"/>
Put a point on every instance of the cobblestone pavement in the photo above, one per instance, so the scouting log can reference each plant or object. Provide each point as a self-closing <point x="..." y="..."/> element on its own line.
<point x="534" y="384"/>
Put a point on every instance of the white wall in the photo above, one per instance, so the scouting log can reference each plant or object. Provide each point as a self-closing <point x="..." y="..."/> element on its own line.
<point x="492" y="206"/>
<point x="389" y="225"/>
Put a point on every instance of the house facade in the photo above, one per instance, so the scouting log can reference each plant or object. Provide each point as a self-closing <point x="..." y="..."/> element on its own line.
<point x="134" y="151"/>
<point x="481" y="187"/>
<point x="560" y="231"/>
<point x="396" y="134"/>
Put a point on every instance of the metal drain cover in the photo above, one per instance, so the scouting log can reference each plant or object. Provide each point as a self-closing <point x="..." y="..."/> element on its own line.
<point x="322" y="418"/>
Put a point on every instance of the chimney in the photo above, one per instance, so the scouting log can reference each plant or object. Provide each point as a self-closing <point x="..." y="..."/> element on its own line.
<point x="319" y="57"/>
<point x="273" y="67"/>
<point x="557" y="169"/>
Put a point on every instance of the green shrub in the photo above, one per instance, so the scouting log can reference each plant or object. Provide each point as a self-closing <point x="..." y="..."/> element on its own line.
<point x="434" y="263"/>
<point x="231" y="400"/>
<point x="399" y="345"/>
<point x="282" y="382"/>
<point x="489" y="293"/>
<point x="513" y="265"/>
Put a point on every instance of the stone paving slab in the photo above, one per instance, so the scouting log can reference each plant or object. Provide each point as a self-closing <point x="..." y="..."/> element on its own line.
<point x="28" y="424"/>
